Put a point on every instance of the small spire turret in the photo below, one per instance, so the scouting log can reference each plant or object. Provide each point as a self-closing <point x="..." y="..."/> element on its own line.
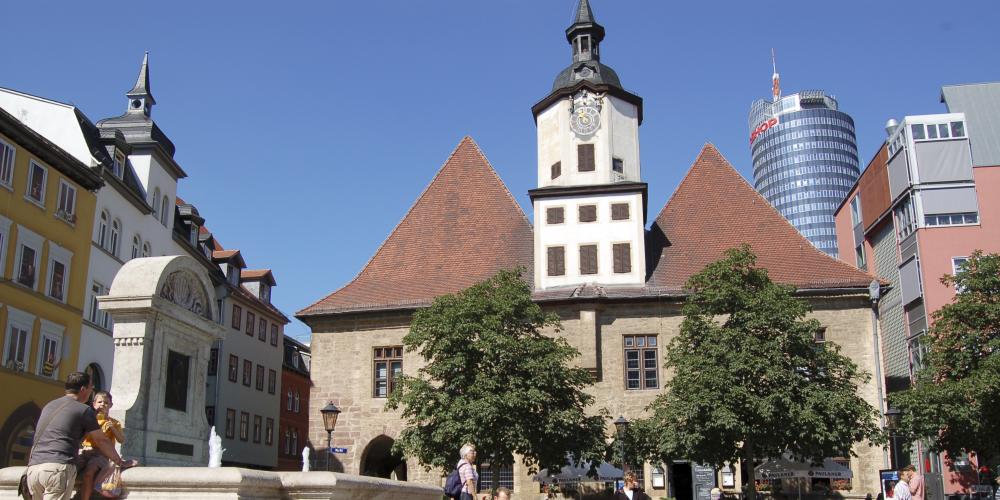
<point x="585" y="34"/>
<point x="140" y="98"/>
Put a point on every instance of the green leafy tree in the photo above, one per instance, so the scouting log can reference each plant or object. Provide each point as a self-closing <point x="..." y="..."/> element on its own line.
<point x="492" y="379"/>
<point x="749" y="380"/>
<point x="954" y="404"/>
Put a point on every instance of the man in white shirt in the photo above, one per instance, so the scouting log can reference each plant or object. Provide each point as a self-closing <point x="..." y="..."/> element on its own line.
<point x="902" y="489"/>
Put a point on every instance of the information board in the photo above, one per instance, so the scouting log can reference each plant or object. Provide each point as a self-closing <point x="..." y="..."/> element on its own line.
<point x="703" y="479"/>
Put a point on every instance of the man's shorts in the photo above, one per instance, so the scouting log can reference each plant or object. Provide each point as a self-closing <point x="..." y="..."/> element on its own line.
<point x="51" y="481"/>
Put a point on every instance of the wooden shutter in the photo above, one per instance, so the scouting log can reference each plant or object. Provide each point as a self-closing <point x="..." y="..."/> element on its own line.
<point x="622" y="257"/>
<point x="588" y="213"/>
<point x="588" y="259"/>
<point x="619" y="211"/>
<point x="554" y="215"/>
<point x="557" y="261"/>
<point x="585" y="157"/>
<point x="556" y="169"/>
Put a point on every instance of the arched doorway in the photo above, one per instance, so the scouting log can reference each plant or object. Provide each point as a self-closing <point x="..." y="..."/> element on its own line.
<point x="378" y="460"/>
<point x="17" y="434"/>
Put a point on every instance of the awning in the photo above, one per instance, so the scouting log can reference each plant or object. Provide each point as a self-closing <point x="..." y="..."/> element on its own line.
<point x="784" y="468"/>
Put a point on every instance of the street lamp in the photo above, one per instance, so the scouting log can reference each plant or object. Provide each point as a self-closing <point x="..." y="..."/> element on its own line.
<point x="892" y="417"/>
<point x="621" y="430"/>
<point x="330" y="414"/>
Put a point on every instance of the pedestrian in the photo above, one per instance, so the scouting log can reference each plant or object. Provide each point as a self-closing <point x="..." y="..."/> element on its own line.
<point x="502" y="494"/>
<point x="631" y="491"/>
<point x="902" y="489"/>
<point x="915" y="483"/>
<point x="61" y="428"/>
<point x="467" y="472"/>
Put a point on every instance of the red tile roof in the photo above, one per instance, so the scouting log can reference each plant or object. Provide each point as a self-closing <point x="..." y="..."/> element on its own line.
<point x="462" y="229"/>
<point x="257" y="274"/>
<point x="714" y="209"/>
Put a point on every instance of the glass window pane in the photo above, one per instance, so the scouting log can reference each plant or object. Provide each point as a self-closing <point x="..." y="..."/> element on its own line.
<point x="650" y="379"/>
<point x="632" y="364"/>
<point x="381" y="389"/>
<point x="628" y="341"/>
<point x="918" y="130"/>
<point x="957" y="129"/>
<point x="651" y="341"/>
<point x="943" y="130"/>
<point x="931" y="132"/>
<point x="640" y="341"/>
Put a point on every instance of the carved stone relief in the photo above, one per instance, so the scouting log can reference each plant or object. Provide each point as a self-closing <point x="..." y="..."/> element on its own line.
<point x="184" y="289"/>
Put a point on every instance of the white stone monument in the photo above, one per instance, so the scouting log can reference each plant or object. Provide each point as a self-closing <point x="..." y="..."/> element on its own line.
<point x="164" y="312"/>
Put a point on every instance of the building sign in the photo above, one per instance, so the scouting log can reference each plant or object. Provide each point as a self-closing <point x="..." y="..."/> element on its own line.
<point x="704" y="481"/>
<point x="762" y="127"/>
<point x="338" y="450"/>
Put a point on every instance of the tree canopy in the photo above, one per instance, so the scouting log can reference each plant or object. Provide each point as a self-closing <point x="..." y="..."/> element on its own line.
<point x="749" y="379"/>
<point x="954" y="404"/>
<point x="492" y="379"/>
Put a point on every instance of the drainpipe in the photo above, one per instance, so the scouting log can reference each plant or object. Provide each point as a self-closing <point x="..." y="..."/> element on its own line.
<point x="874" y="293"/>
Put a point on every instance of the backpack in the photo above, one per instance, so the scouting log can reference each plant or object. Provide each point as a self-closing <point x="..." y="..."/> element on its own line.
<point x="453" y="485"/>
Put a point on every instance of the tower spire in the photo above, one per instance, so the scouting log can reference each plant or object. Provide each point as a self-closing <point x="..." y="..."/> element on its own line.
<point x="585" y="34"/>
<point x="775" y="78"/>
<point x="141" y="96"/>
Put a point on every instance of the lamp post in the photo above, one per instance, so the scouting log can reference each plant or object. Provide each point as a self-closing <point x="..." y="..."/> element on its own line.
<point x="892" y="416"/>
<point x="621" y="430"/>
<point x="330" y="414"/>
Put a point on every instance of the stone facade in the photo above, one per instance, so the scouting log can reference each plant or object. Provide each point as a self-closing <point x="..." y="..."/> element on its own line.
<point x="343" y="347"/>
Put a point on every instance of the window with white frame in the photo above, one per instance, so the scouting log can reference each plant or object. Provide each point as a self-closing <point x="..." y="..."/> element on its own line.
<point x="957" y="265"/>
<point x="97" y="316"/>
<point x="118" y="164"/>
<point x="154" y="203"/>
<point x="934" y="131"/>
<point x="37" y="175"/>
<point x="59" y="267"/>
<point x="906" y="222"/>
<point x="951" y="219"/>
<point x="6" y="164"/>
<point x="66" y="208"/>
<point x="136" y="246"/>
<point x="102" y="229"/>
<point x="29" y="253"/>
<point x="116" y="231"/>
<point x="164" y="212"/>
<point x="4" y="240"/>
<point x="50" y="349"/>
<point x="18" y="340"/>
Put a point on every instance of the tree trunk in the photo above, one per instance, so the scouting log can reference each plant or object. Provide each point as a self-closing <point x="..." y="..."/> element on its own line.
<point x="748" y="465"/>
<point x="494" y="478"/>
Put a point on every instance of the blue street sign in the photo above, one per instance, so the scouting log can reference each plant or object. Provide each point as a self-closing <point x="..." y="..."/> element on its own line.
<point x="338" y="450"/>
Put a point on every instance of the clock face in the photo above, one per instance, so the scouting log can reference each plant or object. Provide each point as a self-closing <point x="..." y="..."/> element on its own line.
<point x="585" y="120"/>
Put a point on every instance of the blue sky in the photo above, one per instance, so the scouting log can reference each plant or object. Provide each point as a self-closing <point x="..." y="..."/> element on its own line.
<point x="308" y="129"/>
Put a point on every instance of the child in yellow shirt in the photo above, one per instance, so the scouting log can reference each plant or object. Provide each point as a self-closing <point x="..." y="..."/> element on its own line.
<point x="95" y="465"/>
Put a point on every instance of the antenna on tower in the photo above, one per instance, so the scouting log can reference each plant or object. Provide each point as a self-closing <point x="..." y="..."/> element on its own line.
<point x="775" y="78"/>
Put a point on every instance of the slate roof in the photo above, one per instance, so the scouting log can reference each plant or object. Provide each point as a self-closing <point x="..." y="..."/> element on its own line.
<point x="713" y="209"/>
<point x="462" y="229"/>
<point x="466" y="226"/>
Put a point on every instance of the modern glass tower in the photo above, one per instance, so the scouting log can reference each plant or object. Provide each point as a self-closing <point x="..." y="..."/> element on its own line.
<point x="805" y="160"/>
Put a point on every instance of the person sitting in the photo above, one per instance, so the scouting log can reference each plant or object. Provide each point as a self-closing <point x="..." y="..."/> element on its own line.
<point x="631" y="491"/>
<point x="96" y="466"/>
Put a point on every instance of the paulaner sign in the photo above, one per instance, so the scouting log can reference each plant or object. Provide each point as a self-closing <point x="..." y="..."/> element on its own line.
<point x="762" y="127"/>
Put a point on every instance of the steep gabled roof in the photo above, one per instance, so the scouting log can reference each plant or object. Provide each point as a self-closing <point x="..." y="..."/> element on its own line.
<point x="715" y="209"/>
<point x="462" y="229"/>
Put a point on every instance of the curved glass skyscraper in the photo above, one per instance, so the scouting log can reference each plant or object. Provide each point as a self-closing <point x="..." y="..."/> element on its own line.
<point x="805" y="160"/>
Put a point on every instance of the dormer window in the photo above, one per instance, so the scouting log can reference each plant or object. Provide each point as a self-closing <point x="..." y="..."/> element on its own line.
<point x="265" y="292"/>
<point x="194" y="234"/>
<point x="233" y="275"/>
<point x="118" y="164"/>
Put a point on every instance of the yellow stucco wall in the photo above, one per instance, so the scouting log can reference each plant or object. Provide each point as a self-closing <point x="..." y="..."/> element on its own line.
<point x="22" y="388"/>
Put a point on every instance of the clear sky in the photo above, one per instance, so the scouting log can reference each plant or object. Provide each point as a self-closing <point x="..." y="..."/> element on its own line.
<point x="308" y="129"/>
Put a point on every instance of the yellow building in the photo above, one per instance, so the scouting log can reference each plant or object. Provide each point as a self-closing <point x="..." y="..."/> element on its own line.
<point x="47" y="202"/>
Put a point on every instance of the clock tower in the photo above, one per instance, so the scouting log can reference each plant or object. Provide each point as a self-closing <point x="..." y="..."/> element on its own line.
<point x="590" y="204"/>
